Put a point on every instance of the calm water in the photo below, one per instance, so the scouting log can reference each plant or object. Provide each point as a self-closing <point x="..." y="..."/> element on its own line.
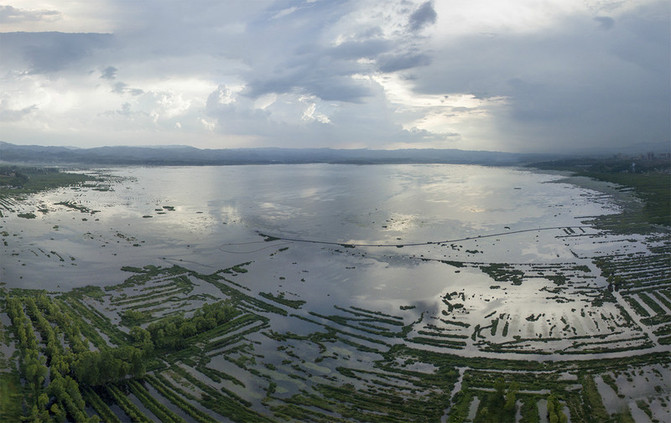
<point x="219" y="211"/>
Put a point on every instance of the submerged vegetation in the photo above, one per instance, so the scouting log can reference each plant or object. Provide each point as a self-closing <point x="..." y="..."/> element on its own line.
<point x="199" y="357"/>
<point x="16" y="182"/>
<point x="168" y="343"/>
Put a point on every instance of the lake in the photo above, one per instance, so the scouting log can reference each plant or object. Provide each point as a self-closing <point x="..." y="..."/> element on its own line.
<point x="406" y="221"/>
<point x="348" y="277"/>
<point x="211" y="217"/>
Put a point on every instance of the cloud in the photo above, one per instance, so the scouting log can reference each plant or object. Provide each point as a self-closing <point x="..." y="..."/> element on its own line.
<point x="425" y="15"/>
<point x="44" y="52"/>
<point x="11" y="115"/>
<point x="9" y="14"/>
<point x="325" y="73"/>
<point x="512" y="75"/>
<point x="122" y="88"/>
<point x="310" y="81"/>
<point x="285" y="12"/>
<point x="292" y="120"/>
<point x="566" y="88"/>
<point x="366" y="48"/>
<point x="392" y="63"/>
<point x="330" y="46"/>
<point x="109" y="73"/>
<point x="605" y="22"/>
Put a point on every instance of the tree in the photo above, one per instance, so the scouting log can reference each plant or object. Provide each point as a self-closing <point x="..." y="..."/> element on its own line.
<point x="511" y="398"/>
<point x="500" y="387"/>
<point x="141" y="338"/>
<point x="34" y="369"/>
<point x="58" y="412"/>
<point x="555" y="413"/>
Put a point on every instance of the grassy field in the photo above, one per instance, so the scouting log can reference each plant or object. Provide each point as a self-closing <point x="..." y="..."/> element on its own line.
<point x="16" y="180"/>
<point x="650" y="180"/>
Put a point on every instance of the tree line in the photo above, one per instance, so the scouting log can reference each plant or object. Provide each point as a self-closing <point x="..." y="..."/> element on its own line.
<point x="55" y="367"/>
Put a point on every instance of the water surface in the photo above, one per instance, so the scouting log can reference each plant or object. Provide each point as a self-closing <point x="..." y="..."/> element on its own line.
<point x="205" y="216"/>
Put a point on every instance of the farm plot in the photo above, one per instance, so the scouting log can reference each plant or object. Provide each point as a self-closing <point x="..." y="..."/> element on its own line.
<point x="126" y="353"/>
<point x="170" y="344"/>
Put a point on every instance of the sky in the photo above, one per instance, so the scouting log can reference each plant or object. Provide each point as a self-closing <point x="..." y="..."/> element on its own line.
<point x="502" y="75"/>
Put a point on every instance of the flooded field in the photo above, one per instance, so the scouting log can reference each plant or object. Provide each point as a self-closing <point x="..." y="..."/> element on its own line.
<point x="365" y="293"/>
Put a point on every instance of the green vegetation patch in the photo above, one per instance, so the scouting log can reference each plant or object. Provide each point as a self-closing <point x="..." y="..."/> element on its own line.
<point x="281" y="299"/>
<point x="648" y="176"/>
<point x="222" y="357"/>
<point x="18" y="180"/>
<point x="11" y="396"/>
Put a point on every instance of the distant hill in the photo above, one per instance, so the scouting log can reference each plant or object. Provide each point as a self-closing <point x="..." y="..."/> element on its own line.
<point x="184" y="155"/>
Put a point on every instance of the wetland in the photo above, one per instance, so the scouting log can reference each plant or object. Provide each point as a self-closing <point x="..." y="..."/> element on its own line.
<point x="331" y="293"/>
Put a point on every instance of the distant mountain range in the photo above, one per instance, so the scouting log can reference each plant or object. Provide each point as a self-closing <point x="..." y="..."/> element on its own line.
<point x="190" y="156"/>
<point x="184" y="155"/>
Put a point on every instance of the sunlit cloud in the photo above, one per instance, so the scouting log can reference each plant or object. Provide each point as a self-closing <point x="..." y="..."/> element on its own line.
<point x="70" y="16"/>
<point x="515" y="75"/>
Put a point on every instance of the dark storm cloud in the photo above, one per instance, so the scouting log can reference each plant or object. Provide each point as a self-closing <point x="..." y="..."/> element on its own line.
<point x="575" y="86"/>
<point x="559" y="74"/>
<point x="393" y="62"/>
<point x="425" y="15"/>
<point x="301" y="62"/>
<point x="318" y="70"/>
<point x="326" y="71"/>
<point x="44" y="52"/>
